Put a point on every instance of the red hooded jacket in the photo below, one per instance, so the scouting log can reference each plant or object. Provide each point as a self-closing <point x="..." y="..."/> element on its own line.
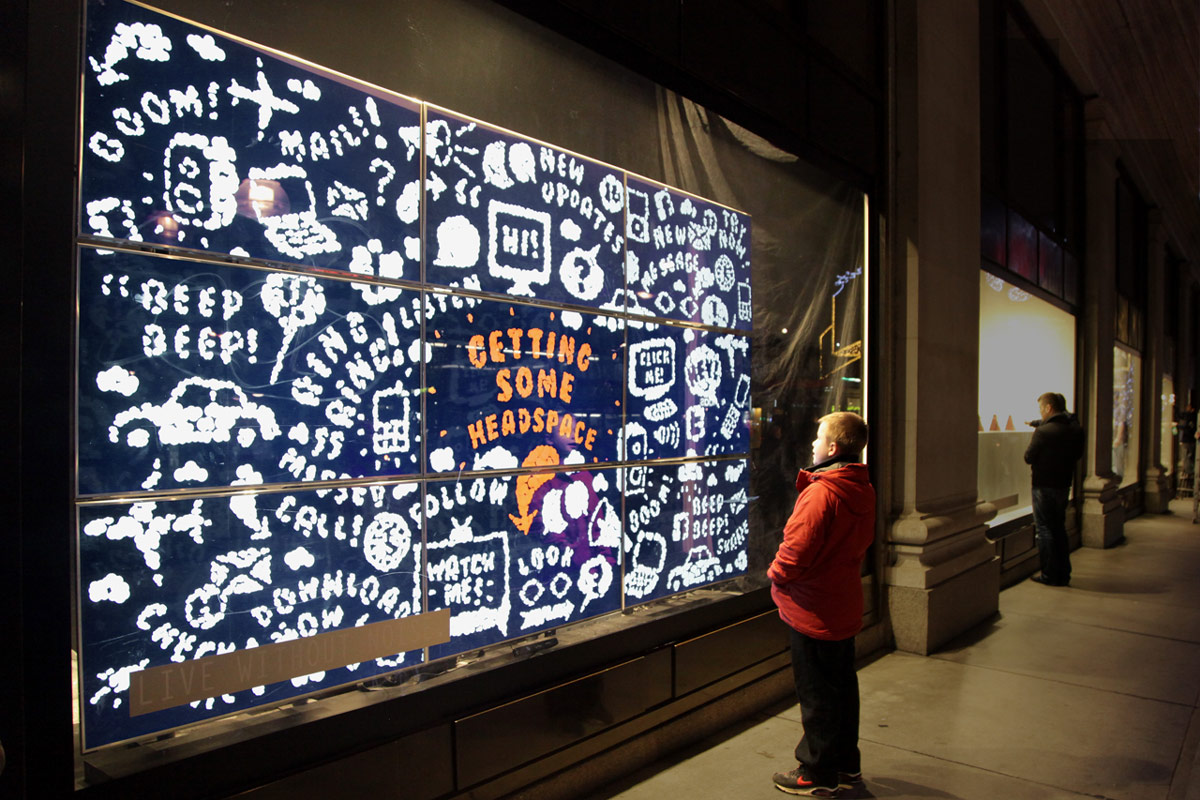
<point x="816" y="574"/>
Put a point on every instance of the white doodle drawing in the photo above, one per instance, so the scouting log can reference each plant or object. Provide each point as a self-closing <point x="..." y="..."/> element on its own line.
<point x="725" y="273"/>
<point x="206" y="46"/>
<point x="390" y="265"/>
<point x="408" y="204"/>
<point x="494" y="171"/>
<point x="296" y="302"/>
<point x="111" y="588"/>
<point x="648" y="557"/>
<point x="347" y="201"/>
<point x="200" y="180"/>
<point x="391" y="413"/>
<point x="522" y="162"/>
<point x="458" y="243"/>
<point x="702" y="373"/>
<point x="745" y="310"/>
<point x="299" y="558"/>
<point x="714" y="312"/>
<point x="662" y="410"/>
<point x="268" y="102"/>
<point x="474" y="581"/>
<point x="580" y="285"/>
<point x="146" y="40"/>
<point x="694" y="423"/>
<point x="700" y="566"/>
<point x="299" y="234"/>
<point x="570" y="230"/>
<point x="637" y="225"/>
<point x="190" y="471"/>
<point x="117" y="379"/>
<point x="198" y="411"/>
<point x="387" y="541"/>
<point x="519" y="246"/>
<point x="652" y="368"/>
<point x="635" y="447"/>
<point x="612" y="194"/>
<point x="116" y="682"/>
<point x="604" y="525"/>
<point x="236" y="572"/>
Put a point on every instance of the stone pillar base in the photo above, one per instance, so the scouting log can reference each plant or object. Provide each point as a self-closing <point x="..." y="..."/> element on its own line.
<point x="1156" y="491"/>
<point x="1103" y="514"/>
<point x="925" y="619"/>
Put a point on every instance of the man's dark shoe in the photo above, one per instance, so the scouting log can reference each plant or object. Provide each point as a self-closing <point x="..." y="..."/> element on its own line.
<point x="849" y="780"/>
<point x="798" y="782"/>
<point x="1046" y="581"/>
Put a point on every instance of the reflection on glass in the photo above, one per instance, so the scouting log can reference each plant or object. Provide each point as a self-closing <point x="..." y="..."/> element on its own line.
<point x="1022" y="246"/>
<point x="1126" y="408"/>
<point x="1026" y="348"/>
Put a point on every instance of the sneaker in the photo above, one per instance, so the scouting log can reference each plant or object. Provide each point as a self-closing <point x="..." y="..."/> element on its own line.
<point x="798" y="782"/>
<point x="849" y="780"/>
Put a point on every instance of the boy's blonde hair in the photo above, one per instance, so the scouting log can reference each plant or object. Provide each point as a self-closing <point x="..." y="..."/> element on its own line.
<point x="848" y="429"/>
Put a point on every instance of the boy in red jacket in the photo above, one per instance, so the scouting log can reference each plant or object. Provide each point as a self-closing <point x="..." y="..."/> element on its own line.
<point x="816" y="584"/>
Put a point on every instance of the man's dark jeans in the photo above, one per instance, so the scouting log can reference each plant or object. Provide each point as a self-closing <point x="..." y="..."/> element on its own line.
<point x="1050" y="520"/>
<point x="827" y="688"/>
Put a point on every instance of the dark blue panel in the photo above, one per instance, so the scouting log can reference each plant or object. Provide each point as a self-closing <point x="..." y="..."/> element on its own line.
<point x="689" y="259"/>
<point x="686" y="526"/>
<point x="193" y="139"/>
<point x="688" y="392"/>
<point x="517" y="217"/>
<point x="168" y="581"/>
<point x="515" y="555"/>
<point x="518" y="386"/>
<point x="196" y="375"/>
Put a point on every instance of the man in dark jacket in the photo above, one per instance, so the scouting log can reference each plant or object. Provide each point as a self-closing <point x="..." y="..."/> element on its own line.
<point x="817" y="586"/>
<point x="1056" y="445"/>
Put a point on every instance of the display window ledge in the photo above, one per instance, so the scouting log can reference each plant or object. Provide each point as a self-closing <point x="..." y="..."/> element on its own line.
<point x="423" y="696"/>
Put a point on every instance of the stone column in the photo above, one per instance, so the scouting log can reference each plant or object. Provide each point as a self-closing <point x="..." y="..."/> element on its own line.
<point x="1103" y="516"/>
<point x="942" y="575"/>
<point x="1156" y="487"/>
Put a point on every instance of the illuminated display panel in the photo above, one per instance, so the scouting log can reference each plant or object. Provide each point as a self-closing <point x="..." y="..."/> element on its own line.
<point x="686" y="526"/>
<point x="516" y="555"/>
<point x="521" y="386"/>
<point x="517" y="217"/>
<point x="198" y="141"/>
<point x="242" y="426"/>
<point x="164" y="581"/>
<point x="688" y="259"/>
<point x="198" y="374"/>
<point x="689" y="392"/>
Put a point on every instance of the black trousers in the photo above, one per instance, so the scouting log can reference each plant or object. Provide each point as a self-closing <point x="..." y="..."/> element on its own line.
<point x="827" y="688"/>
<point x="1050" y="525"/>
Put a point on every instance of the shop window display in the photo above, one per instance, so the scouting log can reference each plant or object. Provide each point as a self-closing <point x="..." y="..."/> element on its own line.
<point x="349" y="359"/>
<point x="1126" y="410"/>
<point x="1026" y="348"/>
<point x="1167" y="428"/>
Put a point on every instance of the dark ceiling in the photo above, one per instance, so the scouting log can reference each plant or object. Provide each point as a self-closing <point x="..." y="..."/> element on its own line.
<point x="1141" y="58"/>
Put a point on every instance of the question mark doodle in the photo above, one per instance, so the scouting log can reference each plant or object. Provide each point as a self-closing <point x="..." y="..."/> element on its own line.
<point x="385" y="180"/>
